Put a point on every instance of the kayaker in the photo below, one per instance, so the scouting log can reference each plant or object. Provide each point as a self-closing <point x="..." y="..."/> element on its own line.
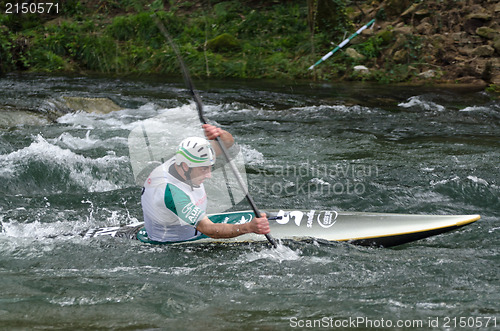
<point x="174" y="200"/>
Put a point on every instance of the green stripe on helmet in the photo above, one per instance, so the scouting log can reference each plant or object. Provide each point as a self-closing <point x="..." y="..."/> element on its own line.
<point x="190" y="157"/>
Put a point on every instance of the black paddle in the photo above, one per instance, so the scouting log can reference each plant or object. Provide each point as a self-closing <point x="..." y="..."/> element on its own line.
<point x="199" y="106"/>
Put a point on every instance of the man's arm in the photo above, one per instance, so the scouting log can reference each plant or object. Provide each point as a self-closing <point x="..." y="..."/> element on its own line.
<point x="222" y="230"/>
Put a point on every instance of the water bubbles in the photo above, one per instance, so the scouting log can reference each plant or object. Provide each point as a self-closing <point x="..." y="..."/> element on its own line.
<point x="420" y="103"/>
<point x="279" y="254"/>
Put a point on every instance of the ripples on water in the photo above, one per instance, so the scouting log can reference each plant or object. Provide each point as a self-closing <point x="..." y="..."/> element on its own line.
<point x="349" y="147"/>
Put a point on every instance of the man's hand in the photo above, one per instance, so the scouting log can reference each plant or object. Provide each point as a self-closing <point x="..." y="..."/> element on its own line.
<point x="260" y="225"/>
<point x="212" y="132"/>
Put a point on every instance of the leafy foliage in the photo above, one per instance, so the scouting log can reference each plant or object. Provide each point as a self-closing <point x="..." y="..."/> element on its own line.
<point x="251" y="39"/>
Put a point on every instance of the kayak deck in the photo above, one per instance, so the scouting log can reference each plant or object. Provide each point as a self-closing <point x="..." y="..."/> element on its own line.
<point x="359" y="228"/>
<point x="366" y="229"/>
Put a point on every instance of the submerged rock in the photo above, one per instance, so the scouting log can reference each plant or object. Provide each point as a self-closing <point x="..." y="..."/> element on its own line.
<point x="91" y="105"/>
<point x="14" y="118"/>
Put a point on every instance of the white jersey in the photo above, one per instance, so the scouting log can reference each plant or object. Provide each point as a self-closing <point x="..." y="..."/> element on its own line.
<point x="172" y="209"/>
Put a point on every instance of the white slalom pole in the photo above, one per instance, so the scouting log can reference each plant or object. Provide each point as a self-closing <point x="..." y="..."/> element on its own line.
<point x="342" y="44"/>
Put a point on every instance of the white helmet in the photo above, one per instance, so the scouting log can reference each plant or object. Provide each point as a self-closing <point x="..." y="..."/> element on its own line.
<point x="195" y="152"/>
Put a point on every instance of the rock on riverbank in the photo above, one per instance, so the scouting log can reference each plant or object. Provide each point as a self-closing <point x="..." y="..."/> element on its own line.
<point x="460" y="40"/>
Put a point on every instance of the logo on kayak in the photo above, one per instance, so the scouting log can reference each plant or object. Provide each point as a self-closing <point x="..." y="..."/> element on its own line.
<point x="111" y="231"/>
<point x="244" y="219"/>
<point x="283" y="217"/>
<point x="327" y="218"/>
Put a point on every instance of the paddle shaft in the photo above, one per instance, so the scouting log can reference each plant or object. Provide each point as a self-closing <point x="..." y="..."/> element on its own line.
<point x="199" y="106"/>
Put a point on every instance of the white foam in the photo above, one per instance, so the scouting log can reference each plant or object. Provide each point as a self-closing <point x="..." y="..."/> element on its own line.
<point x="319" y="181"/>
<point x="279" y="254"/>
<point x="322" y="109"/>
<point x="36" y="229"/>
<point x="89" y="301"/>
<point x="478" y="180"/>
<point x="251" y="156"/>
<point x="146" y="110"/>
<point x="78" y="119"/>
<point x="417" y="102"/>
<point x="125" y="119"/>
<point x="435" y="305"/>
<point x="80" y="168"/>
<point x="83" y="120"/>
<point x="75" y="142"/>
<point x="89" y="142"/>
<point x="232" y="108"/>
<point x="493" y="230"/>
<point x="357" y="109"/>
<point x="444" y="181"/>
<point x="475" y="109"/>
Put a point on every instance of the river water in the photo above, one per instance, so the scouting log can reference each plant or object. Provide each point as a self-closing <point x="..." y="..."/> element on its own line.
<point x="353" y="147"/>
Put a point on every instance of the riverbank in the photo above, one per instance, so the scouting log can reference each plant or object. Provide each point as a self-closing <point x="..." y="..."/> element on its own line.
<point x="450" y="42"/>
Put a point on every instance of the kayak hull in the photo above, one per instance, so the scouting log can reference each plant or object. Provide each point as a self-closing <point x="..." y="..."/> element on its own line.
<point x="359" y="228"/>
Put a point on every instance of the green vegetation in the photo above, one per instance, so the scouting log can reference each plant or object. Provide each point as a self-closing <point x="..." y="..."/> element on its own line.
<point x="241" y="39"/>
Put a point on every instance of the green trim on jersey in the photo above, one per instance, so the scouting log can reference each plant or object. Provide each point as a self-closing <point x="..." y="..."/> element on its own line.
<point x="178" y="202"/>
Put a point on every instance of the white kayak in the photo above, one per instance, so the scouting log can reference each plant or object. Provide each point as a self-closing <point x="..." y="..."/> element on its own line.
<point x="360" y="228"/>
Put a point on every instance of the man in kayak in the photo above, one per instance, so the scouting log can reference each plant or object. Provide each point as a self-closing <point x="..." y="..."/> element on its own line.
<point x="174" y="200"/>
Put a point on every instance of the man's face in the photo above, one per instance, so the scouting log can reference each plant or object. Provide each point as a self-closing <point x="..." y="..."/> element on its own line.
<point x="199" y="174"/>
